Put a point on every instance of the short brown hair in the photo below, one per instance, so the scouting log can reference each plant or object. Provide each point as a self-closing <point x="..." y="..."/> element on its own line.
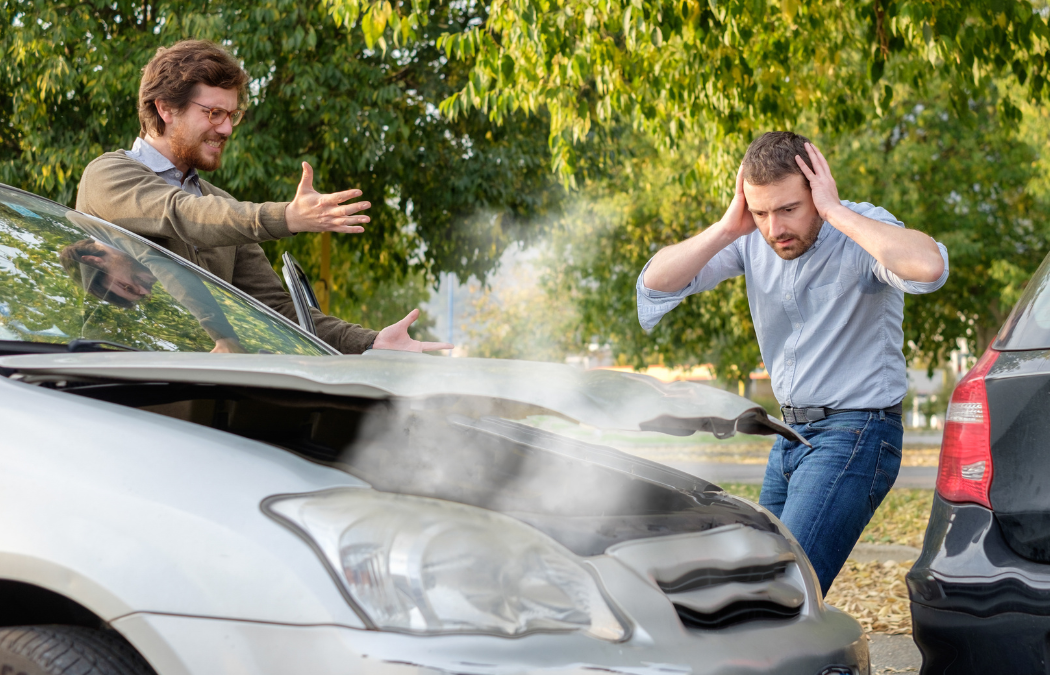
<point x="771" y="157"/>
<point x="174" y="73"/>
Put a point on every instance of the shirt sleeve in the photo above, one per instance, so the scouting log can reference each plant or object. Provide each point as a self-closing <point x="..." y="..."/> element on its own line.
<point x="191" y="293"/>
<point x="652" y="304"/>
<point x="879" y="271"/>
<point x="119" y="189"/>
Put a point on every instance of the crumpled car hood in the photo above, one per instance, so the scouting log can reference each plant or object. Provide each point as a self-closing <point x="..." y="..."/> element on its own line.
<point x="503" y="388"/>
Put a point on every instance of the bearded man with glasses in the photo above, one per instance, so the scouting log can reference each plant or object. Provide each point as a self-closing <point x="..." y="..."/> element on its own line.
<point x="190" y="100"/>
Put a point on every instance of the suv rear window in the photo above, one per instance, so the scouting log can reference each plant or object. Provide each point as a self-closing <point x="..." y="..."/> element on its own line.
<point x="1028" y="326"/>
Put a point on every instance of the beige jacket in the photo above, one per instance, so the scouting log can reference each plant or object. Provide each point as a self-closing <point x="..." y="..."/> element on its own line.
<point x="214" y="231"/>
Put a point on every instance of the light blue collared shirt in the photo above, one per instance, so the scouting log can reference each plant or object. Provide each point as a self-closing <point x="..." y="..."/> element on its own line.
<point x="829" y="323"/>
<point x="144" y="153"/>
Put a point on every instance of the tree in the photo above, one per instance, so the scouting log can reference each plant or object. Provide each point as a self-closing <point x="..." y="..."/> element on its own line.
<point x="702" y="79"/>
<point x="718" y="71"/>
<point x="363" y="117"/>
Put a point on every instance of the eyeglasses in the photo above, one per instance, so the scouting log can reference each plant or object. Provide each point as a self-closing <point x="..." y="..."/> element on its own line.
<point x="217" y="115"/>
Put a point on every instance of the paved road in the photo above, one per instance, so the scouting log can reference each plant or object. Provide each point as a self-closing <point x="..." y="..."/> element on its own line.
<point x="893" y="654"/>
<point x="721" y="472"/>
<point x="922" y="438"/>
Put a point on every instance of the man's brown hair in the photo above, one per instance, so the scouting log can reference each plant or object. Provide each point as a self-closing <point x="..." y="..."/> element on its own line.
<point x="174" y="73"/>
<point x="771" y="157"/>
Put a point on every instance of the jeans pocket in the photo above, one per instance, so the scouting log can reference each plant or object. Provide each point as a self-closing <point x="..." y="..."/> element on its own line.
<point x="886" y="470"/>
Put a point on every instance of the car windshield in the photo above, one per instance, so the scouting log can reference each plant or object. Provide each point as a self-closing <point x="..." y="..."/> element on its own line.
<point x="67" y="276"/>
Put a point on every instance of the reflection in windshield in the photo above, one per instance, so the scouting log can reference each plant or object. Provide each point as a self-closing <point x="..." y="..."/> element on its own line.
<point x="107" y="273"/>
<point x="65" y="275"/>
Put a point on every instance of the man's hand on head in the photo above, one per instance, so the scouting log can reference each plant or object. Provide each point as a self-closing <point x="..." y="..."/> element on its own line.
<point x="821" y="182"/>
<point x="396" y="337"/>
<point x="738" y="220"/>
<point x="312" y="211"/>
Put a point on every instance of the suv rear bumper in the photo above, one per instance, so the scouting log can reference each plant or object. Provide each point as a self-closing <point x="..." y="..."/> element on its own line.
<point x="977" y="606"/>
<point x="955" y="643"/>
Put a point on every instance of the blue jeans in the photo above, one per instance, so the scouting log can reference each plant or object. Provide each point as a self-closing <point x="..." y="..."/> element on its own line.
<point x="826" y="494"/>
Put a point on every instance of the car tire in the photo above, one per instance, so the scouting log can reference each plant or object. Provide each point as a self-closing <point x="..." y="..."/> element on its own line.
<point x="65" y="650"/>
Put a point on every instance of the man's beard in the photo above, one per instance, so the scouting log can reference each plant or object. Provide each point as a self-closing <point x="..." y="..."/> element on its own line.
<point x="803" y="242"/>
<point x="189" y="150"/>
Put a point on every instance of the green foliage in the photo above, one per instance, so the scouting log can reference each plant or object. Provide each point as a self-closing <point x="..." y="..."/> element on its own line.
<point x="702" y="79"/>
<point x="717" y="70"/>
<point x="363" y="117"/>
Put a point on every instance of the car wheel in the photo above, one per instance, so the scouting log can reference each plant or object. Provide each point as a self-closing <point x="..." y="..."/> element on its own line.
<point x="57" y="650"/>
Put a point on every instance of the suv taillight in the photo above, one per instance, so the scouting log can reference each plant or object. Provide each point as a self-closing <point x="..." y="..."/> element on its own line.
<point x="964" y="473"/>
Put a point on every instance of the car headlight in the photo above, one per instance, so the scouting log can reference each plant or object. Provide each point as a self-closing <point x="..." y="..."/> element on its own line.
<point x="428" y="566"/>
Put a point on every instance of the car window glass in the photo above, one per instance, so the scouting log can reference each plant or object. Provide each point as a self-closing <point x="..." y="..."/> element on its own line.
<point x="65" y="275"/>
<point x="1028" y="326"/>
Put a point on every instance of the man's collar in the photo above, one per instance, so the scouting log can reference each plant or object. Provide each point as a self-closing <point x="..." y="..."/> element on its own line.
<point x="825" y="230"/>
<point x="146" y="154"/>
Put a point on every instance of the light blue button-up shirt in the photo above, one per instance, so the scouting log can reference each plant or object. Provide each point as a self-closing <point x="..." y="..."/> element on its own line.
<point x="829" y="323"/>
<point x="144" y="153"/>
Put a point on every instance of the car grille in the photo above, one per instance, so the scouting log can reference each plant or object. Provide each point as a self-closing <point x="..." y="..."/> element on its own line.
<point x="712" y="598"/>
<point x="737" y="612"/>
<point x="711" y="577"/>
<point x="721" y="577"/>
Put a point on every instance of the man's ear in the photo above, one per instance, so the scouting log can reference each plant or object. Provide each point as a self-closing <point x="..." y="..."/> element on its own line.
<point x="93" y="260"/>
<point x="166" y="112"/>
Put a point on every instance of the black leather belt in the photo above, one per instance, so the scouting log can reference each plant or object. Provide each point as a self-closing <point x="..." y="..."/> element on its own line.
<point x="807" y="415"/>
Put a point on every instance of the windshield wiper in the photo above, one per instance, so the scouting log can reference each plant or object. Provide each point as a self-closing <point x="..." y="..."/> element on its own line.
<point x="80" y="345"/>
<point x="21" y="348"/>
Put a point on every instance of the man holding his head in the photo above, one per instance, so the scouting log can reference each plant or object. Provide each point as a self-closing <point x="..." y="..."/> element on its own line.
<point x="190" y="99"/>
<point x="825" y="281"/>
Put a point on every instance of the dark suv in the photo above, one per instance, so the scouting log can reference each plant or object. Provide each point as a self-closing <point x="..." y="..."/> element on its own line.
<point x="980" y="592"/>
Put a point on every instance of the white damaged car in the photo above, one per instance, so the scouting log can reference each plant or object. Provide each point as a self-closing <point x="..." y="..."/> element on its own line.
<point x="291" y="510"/>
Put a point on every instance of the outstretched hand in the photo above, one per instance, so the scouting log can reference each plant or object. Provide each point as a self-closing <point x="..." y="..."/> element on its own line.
<point x="821" y="182"/>
<point x="738" y="220"/>
<point x="312" y="211"/>
<point x="396" y="337"/>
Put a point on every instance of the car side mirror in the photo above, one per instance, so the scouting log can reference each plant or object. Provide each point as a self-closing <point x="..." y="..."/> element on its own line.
<point x="302" y="292"/>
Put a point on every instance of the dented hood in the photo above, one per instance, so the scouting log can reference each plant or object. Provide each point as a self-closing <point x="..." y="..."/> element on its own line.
<point x="510" y="389"/>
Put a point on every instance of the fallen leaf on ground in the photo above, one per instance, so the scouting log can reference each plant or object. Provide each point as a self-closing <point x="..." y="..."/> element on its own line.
<point x="875" y="594"/>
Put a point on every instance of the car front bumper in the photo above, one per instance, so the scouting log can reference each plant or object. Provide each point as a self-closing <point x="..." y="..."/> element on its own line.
<point x="178" y="645"/>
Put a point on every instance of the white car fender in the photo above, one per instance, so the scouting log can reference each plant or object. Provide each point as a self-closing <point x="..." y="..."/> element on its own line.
<point x="135" y="512"/>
